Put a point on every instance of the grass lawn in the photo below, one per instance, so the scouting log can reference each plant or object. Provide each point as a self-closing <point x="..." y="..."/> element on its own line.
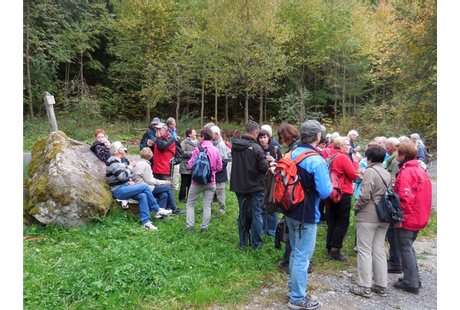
<point x="115" y="264"/>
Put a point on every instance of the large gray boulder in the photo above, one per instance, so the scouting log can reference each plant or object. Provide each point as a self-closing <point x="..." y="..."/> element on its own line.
<point x="66" y="182"/>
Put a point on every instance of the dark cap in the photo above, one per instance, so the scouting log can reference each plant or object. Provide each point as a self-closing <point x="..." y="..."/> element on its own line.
<point x="311" y="127"/>
<point x="155" y="121"/>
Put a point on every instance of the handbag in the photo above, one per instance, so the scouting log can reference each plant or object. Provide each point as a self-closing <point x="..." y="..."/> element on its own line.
<point x="389" y="209"/>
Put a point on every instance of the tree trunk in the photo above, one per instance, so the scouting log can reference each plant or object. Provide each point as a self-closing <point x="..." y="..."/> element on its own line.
<point x="66" y="79"/>
<point x="265" y="103"/>
<point x="336" y="95"/>
<point x="147" y="114"/>
<point x="215" y="95"/>
<point x="246" y="101"/>
<point x="226" y="108"/>
<point x="202" y="103"/>
<point x="29" y="83"/>
<point x="178" y="95"/>
<point x="344" y="96"/>
<point x="261" y="108"/>
<point x="81" y="72"/>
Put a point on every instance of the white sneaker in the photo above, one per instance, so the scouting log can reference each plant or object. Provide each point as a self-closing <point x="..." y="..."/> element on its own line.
<point x="149" y="226"/>
<point x="164" y="212"/>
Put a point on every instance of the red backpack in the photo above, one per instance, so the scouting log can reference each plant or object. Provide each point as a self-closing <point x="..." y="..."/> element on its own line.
<point x="288" y="192"/>
<point x="337" y="193"/>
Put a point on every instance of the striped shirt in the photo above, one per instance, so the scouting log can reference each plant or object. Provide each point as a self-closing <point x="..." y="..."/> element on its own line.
<point x="117" y="173"/>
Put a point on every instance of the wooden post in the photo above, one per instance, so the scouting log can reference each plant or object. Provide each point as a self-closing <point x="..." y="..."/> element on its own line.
<point x="49" y="105"/>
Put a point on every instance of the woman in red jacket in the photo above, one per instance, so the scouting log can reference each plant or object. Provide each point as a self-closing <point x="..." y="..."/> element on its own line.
<point x="338" y="214"/>
<point x="413" y="186"/>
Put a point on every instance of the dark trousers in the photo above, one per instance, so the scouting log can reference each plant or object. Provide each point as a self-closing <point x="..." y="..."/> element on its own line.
<point x="395" y="254"/>
<point x="338" y="219"/>
<point x="186" y="181"/>
<point x="322" y="205"/>
<point x="409" y="266"/>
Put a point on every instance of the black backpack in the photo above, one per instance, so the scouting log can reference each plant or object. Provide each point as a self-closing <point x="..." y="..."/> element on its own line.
<point x="176" y="160"/>
<point x="389" y="209"/>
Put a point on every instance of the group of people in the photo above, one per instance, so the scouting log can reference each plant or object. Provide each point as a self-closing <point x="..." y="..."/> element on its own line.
<point x="388" y="163"/>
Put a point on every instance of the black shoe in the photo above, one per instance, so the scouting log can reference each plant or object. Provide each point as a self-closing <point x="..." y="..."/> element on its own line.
<point x="178" y="212"/>
<point x="283" y="266"/>
<point x="403" y="286"/>
<point x="190" y="229"/>
<point x="394" y="269"/>
<point x="337" y="255"/>
<point x="310" y="269"/>
<point x="183" y="200"/>
<point x="203" y="230"/>
<point x="419" y="282"/>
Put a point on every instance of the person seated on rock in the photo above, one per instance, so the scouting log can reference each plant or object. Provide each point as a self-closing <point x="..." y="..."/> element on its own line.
<point x="161" y="190"/>
<point x="101" y="147"/>
<point x="118" y="176"/>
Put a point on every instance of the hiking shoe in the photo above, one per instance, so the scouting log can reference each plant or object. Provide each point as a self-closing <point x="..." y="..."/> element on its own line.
<point x="382" y="291"/>
<point x="203" y="230"/>
<point x="281" y="265"/>
<point x="178" y="212"/>
<point x="394" y="269"/>
<point x="189" y="229"/>
<point x="355" y="249"/>
<point x="183" y="200"/>
<point x="403" y="286"/>
<point x="400" y="279"/>
<point x="337" y="255"/>
<point x="360" y="290"/>
<point x="149" y="226"/>
<point x="306" y="303"/>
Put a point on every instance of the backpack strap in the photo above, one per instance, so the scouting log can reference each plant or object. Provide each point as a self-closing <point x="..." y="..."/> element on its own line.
<point x="372" y="197"/>
<point x="304" y="155"/>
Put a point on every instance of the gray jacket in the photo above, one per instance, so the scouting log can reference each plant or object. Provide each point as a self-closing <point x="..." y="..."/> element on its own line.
<point x="187" y="146"/>
<point x="373" y="185"/>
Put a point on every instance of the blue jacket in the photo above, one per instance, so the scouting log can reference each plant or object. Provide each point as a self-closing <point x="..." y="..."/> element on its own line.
<point x="314" y="175"/>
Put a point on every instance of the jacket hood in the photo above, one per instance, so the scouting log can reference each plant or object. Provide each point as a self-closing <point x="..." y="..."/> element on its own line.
<point x="242" y="144"/>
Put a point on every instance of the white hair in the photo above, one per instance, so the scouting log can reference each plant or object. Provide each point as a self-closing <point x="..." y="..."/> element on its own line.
<point x="417" y="137"/>
<point x="215" y="129"/>
<point x="115" y="147"/>
<point x="267" y="128"/>
<point x="333" y="136"/>
<point x="403" y="138"/>
<point x="328" y="135"/>
<point x="392" y="142"/>
<point x="352" y="132"/>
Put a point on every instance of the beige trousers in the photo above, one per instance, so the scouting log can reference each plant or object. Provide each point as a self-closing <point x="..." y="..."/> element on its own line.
<point x="371" y="253"/>
<point x="220" y="194"/>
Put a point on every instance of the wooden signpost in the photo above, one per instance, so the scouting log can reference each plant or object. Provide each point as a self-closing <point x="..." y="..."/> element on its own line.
<point x="49" y="105"/>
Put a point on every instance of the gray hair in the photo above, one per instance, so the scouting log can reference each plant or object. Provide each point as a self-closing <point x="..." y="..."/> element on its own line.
<point x="115" y="147"/>
<point x="209" y="125"/>
<point x="419" y="140"/>
<point x="403" y="138"/>
<point x="267" y="128"/>
<point x="392" y="143"/>
<point x="352" y="132"/>
<point x="215" y="129"/>
<point x="333" y="136"/>
<point x="170" y="120"/>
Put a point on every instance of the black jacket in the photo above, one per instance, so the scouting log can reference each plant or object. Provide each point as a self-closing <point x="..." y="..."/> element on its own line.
<point x="248" y="166"/>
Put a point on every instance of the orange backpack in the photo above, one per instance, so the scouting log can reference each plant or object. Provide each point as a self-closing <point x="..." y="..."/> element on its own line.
<point x="288" y="190"/>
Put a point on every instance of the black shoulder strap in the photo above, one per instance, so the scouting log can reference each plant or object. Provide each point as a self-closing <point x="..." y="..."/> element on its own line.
<point x="381" y="177"/>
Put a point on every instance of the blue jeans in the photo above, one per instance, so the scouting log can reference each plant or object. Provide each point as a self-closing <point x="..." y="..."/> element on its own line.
<point x="255" y="202"/>
<point x="302" y="251"/>
<point x="142" y="193"/>
<point x="164" y="196"/>
<point x="272" y="222"/>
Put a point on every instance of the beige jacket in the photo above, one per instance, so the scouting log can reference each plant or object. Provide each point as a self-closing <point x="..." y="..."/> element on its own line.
<point x="142" y="173"/>
<point x="371" y="184"/>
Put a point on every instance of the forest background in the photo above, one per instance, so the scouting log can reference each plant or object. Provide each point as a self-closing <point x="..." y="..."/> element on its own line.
<point x="367" y="65"/>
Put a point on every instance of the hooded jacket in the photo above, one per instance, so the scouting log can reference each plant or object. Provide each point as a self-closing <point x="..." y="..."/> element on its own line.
<point x="214" y="159"/>
<point x="149" y="134"/>
<point x="165" y="148"/>
<point x="413" y="187"/>
<point x="249" y="166"/>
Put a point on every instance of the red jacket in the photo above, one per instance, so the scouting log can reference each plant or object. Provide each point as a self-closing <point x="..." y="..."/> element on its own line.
<point x="413" y="187"/>
<point x="165" y="149"/>
<point x="327" y="151"/>
<point x="345" y="170"/>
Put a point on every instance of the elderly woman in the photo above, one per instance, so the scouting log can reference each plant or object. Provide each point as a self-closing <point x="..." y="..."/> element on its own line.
<point x="273" y="153"/>
<point x="421" y="155"/>
<point x="188" y="145"/>
<point x="161" y="190"/>
<point x="101" y="145"/>
<point x="413" y="186"/>
<point x="370" y="230"/>
<point x="338" y="214"/>
<point x="352" y="134"/>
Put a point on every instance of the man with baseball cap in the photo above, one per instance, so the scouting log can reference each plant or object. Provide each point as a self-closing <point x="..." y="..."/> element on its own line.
<point x="315" y="179"/>
<point x="148" y="139"/>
